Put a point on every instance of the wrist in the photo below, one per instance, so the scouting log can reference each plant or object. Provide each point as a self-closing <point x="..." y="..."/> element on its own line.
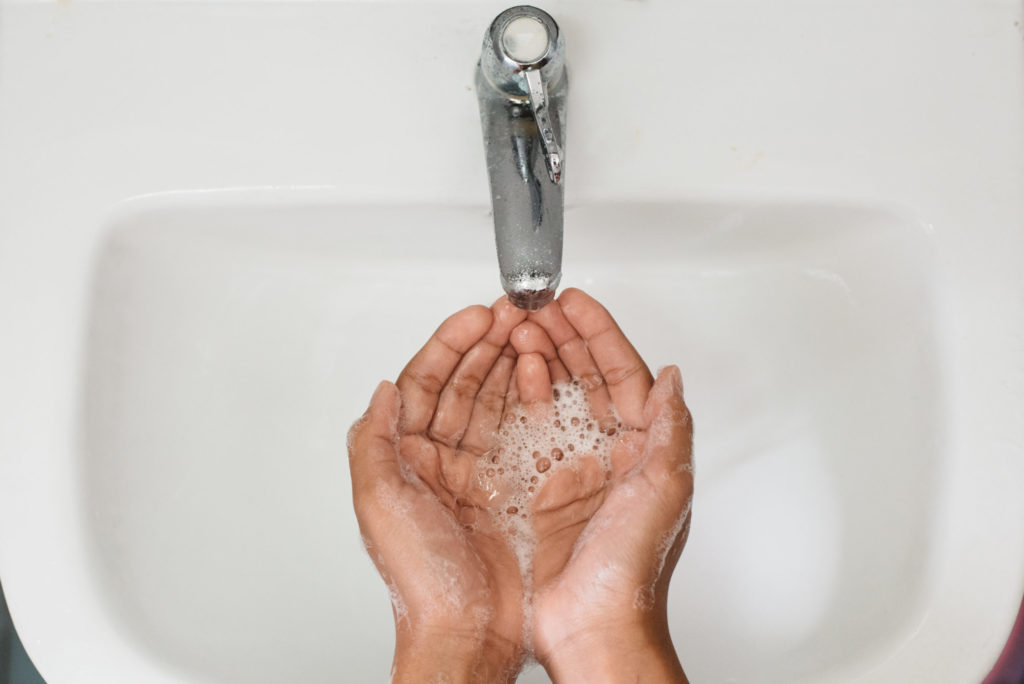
<point x="425" y="653"/>
<point x="623" y="648"/>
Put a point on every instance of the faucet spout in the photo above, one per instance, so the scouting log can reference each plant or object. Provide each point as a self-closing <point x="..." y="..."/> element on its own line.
<point x="521" y="86"/>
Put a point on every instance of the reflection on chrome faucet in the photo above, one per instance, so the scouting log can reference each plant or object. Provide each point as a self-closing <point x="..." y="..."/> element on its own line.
<point x="521" y="85"/>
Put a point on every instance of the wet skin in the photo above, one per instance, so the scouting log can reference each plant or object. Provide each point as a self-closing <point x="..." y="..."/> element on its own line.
<point x="605" y="547"/>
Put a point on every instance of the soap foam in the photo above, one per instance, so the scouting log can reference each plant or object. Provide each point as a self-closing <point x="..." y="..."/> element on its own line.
<point x="398" y="604"/>
<point x="644" y="599"/>
<point x="528" y="450"/>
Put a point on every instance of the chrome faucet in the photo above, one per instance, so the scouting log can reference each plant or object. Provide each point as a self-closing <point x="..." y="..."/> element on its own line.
<point x="521" y="86"/>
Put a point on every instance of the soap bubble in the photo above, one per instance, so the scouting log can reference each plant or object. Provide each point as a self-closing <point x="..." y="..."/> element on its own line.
<point x="526" y="447"/>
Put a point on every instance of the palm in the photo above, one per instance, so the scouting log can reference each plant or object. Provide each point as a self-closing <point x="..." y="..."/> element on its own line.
<point x="438" y="554"/>
<point x="473" y="550"/>
<point x="615" y="543"/>
<point x="597" y="532"/>
<point x="426" y="513"/>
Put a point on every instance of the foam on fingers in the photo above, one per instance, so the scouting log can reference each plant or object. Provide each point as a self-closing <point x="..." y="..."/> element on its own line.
<point x="529" y="448"/>
<point x="535" y="441"/>
<point x="669" y="449"/>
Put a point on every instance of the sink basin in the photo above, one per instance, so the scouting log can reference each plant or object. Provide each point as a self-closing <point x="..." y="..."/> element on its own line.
<point x="232" y="341"/>
<point x="209" y="257"/>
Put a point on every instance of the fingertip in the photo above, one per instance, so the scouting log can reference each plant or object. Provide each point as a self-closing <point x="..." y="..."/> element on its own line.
<point x="475" y="317"/>
<point x="545" y="310"/>
<point x="677" y="380"/>
<point x="671" y="375"/>
<point x="660" y="394"/>
<point x="464" y="328"/>
<point x="572" y="298"/>
<point x="385" y="396"/>
<point x="378" y="400"/>
<point x="385" y="409"/>
<point x="534" y="382"/>
<point x="568" y="297"/>
<point x="583" y="312"/>
<point x="528" y="337"/>
<point x="520" y="334"/>
<point x="507" y="312"/>
<point x="571" y="293"/>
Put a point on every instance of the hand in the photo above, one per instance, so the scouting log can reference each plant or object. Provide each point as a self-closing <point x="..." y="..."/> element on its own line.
<point x="606" y="548"/>
<point x="455" y="585"/>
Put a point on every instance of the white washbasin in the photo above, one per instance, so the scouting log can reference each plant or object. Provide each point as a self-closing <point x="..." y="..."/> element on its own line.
<point x="232" y="342"/>
<point x="209" y="256"/>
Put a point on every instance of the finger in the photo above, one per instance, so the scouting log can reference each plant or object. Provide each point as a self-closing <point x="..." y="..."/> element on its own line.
<point x="489" y="404"/>
<point x="506" y="310"/>
<point x="455" y="403"/>
<point x="534" y="381"/>
<point x="530" y="338"/>
<point x="422" y="457"/>
<point x="372" y="448"/>
<point x="573" y="352"/>
<point x="627" y="376"/>
<point x="427" y="373"/>
<point x="512" y="397"/>
<point x="668" y="454"/>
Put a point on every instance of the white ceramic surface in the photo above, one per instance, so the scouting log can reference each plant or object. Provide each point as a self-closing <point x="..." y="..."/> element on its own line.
<point x="210" y="252"/>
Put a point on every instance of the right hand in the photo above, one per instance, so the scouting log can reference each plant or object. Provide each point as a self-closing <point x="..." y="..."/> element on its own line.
<point x="606" y="548"/>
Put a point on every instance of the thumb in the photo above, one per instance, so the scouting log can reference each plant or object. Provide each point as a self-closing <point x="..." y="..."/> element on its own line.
<point x="373" y="439"/>
<point x="669" y="448"/>
<point x="667" y="387"/>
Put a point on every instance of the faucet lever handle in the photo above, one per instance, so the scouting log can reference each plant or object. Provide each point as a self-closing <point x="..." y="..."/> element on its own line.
<point x="547" y="123"/>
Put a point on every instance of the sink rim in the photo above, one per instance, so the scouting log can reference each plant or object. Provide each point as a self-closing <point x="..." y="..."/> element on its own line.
<point x="950" y="77"/>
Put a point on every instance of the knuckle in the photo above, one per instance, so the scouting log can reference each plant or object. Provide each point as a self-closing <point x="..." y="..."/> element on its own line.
<point x="427" y="381"/>
<point x="619" y="374"/>
<point x="466" y="385"/>
<point x="447" y="436"/>
<point x="492" y="402"/>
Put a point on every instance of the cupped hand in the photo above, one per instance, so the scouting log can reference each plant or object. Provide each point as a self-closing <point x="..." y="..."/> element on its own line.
<point x="606" y="545"/>
<point x="455" y="584"/>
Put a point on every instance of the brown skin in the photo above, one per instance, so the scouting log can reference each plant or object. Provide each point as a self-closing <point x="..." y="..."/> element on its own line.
<point x="461" y="595"/>
<point x="600" y="587"/>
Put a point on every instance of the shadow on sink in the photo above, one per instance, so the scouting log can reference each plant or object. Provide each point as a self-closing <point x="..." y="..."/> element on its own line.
<point x="15" y="665"/>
